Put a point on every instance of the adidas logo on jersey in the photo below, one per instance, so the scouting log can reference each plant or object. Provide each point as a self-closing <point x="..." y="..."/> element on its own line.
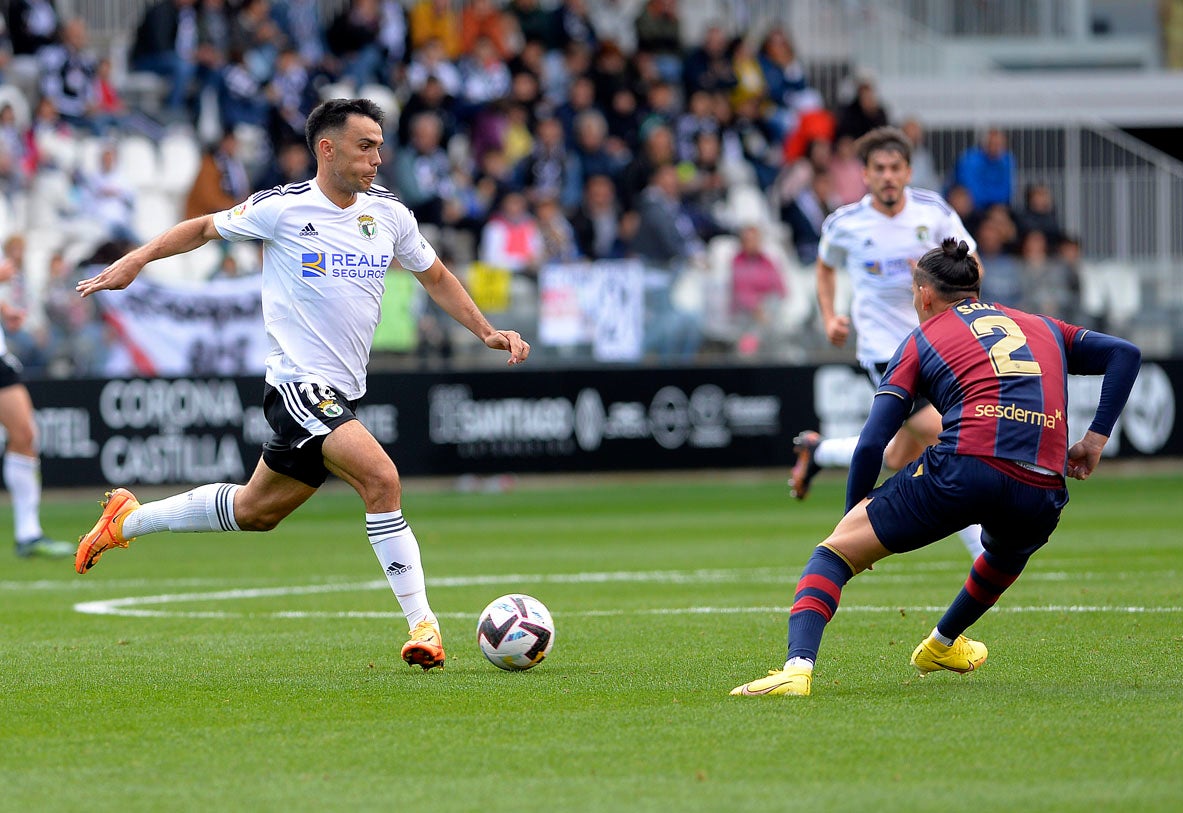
<point x="309" y="231"/>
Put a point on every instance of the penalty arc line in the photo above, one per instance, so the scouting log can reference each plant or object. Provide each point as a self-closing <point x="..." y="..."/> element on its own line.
<point x="144" y="606"/>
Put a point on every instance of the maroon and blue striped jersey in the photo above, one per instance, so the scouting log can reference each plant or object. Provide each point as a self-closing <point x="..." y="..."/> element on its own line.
<point x="997" y="375"/>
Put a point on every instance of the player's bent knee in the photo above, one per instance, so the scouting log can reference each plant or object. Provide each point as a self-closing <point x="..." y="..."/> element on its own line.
<point x="258" y="520"/>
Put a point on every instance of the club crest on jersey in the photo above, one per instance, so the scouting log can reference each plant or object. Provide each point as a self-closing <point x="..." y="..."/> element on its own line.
<point x="312" y="264"/>
<point x="922" y="234"/>
<point x="367" y="226"/>
<point x="330" y="409"/>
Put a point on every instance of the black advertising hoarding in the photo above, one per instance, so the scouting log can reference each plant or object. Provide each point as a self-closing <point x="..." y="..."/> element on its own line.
<point x="197" y="430"/>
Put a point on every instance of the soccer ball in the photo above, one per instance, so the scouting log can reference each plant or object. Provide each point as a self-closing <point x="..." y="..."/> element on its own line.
<point x="515" y="632"/>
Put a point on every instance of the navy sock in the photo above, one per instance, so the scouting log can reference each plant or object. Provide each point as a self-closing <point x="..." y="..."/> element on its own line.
<point x="988" y="579"/>
<point x="816" y="601"/>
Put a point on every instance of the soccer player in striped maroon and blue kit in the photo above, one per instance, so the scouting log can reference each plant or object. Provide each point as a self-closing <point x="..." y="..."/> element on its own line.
<point x="998" y="376"/>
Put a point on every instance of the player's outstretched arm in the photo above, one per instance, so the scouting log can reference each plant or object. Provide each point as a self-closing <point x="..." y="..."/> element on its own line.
<point x="183" y="237"/>
<point x="443" y="287"/>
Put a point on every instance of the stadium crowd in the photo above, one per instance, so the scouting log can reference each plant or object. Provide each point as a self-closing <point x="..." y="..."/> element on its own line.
<point x="523" y="132"/>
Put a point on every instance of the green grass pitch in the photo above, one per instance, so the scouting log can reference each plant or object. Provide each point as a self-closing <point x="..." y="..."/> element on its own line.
<point x="260" y="673"/>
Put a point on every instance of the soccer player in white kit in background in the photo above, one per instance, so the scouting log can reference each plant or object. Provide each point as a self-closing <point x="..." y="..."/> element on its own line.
<point x="876" y="241"/>
<point x="326" y="245"/>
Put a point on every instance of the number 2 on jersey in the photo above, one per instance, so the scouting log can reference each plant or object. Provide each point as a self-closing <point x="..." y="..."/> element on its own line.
<point x="1000" y="354"/>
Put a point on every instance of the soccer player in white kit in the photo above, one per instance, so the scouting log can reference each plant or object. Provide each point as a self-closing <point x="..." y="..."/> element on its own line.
<point x="876" y="241"/>
<point x="326" y="245"/>
<point x="22" y="461"/>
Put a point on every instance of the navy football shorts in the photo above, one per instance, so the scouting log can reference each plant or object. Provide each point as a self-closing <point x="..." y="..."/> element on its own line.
<point x="940" y="493"/>
<point x="301" y="415"/>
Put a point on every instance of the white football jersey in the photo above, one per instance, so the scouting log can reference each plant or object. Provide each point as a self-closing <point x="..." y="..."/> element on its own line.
<point x="878" y="251"/>
<point x="324" y="273"/>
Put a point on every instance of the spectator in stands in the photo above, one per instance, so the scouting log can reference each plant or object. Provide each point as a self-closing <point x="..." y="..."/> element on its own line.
<point x="861" y="114"/>
<point x="665" y="239"/>
<point x="615" y="21"/>
<point x="432" y="98"/>
<point x="429" y="61"/>
<point x="300" y="22"/>
<point x="214" y="41"/>
<point x="241" y="99"/>
<point x="573" y="26"/>
<point x="987" y="170"/>
<point x="581" y="98"/>
<point x="757" y="289"/>
<point x="511" y="239"/>
<point x="557" y="233"/>
<point x="352" y="39"/>
<point x="624" y="119"/>
<point x="436" y="20"/>
<point x="662" y="105"/>
<point x="1039" y="214"/>
<point x="110" y="110"/>
<point x="814" y="123"/>
<point x="253" y="30"/>
<point x="290" y="98"/>
<point x="78" y="337"/>
<point x="483" y="18"/>
<point x="108" y="198"/>
<point x="423" y="173"/>
<point x="536" y="23"/>
<point x="292" y="164"/>
<point x="550" y="171"/>
<point x="166" y="44"/>
<point x="659" y="35"/>
<point x="924" y="170"/>
<point x="69" y="71"/>
<point x="699" y="117"/>
<point x="749" y="75"/>
<point x="962" y="202"/>
<point x="1003" y="281"/>
<point x="599" y="233"/>
<point x="709" y="66"/>
<point x="392" y="34"/>
<point x="594" y="153"/>
<point x="846" y="171"/>
<point x="756" y="141"/>
<point x="1070" y="255"/>
<point x="32" y="24"/>
<point x="999" y="215"/>
<point x="806" y="212"/>
<point x="1049" y="286"/>
<point x="784" y="77"/>
<point x="222" y="180"/>
<point x="703" y="185"/>
<point x="14" y="176"/>
<point x="797" y="176"/>
<point x="484" y="77"/>
<point x="658" y="149"/>
<point x="30" y="345"/>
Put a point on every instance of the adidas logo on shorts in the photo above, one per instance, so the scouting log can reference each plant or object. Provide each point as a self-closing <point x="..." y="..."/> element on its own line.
<point x="309" y="231"/>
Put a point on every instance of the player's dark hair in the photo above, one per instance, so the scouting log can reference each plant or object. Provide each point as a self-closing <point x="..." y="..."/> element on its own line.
<point x="890" y="139"/>
<point x="950" y="271"/>
<point x="332" y="114"/>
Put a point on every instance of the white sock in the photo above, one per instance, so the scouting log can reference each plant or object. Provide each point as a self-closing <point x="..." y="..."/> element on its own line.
<point x="205" y="508"/>
<point x="944" y="639"/>
<point x="971" y="537"/>
<point x="22" y="477"/>
<point x="799" y="662"/>
<point x="836" y="452"/>
<point x="397" y="550"/>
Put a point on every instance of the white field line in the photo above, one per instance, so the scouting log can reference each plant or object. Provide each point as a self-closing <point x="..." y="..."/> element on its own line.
<point x="142" y="606"/>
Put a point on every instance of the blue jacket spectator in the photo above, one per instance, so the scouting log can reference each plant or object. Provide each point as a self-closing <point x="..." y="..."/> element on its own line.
<point x="988" y="171"/>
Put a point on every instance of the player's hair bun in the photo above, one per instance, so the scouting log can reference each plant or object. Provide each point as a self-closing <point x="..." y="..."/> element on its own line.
<point x="955" y="249"/>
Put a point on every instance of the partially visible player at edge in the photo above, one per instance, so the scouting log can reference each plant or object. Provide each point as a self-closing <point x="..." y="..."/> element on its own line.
<point x="876" y="241"/>
<point x="999" y="378"/>
<point x="326" y="246"/>
<point x="22" y="459"/>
